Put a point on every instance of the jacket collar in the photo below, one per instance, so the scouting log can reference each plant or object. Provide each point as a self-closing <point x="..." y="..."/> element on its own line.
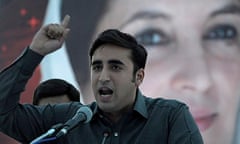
<point x="140" y="105"/>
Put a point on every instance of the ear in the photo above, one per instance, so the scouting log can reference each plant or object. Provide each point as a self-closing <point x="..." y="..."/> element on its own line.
<point x="139" y="77"/>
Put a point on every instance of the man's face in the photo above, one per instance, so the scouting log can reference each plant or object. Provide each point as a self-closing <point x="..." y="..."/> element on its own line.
<point x="112" y="78"/>
<point x="194" y="55"/>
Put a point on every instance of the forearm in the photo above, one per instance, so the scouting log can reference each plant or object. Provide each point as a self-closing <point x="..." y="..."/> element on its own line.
<point x="12" y="82"/>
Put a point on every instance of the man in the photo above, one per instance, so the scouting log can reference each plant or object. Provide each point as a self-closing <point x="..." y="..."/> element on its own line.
<point x="121" y="114"/>
<point x="55" y="91"/>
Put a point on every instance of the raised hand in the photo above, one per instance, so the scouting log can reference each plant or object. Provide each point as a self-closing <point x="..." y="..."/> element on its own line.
<point x="50" y="37"/>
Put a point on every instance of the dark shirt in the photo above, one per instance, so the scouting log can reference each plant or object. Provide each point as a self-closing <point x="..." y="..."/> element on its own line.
<point x="150" y="121"/>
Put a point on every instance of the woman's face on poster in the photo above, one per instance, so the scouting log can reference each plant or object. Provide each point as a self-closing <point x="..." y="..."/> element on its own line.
<point x="193" y="55"/>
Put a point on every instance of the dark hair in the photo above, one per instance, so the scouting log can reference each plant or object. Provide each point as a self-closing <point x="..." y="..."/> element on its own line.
<point x="115" y="37"/>
<point x="54" y="88"/>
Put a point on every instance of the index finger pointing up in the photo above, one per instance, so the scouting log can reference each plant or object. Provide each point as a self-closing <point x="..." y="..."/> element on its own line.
<point x="66" y="21"/>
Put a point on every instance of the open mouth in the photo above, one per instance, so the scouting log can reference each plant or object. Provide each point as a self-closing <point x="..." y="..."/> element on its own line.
<point x="105" y="91"/>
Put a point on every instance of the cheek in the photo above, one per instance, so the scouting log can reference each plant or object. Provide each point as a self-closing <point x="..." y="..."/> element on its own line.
<point x="93" y="80"/>
<point x="227" y="78"/>
<point x="157" y="78"/>
<point x="227" y="74"/>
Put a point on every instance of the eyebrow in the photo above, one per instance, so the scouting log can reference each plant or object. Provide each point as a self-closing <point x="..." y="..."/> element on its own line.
<point x="115" y="62"/>
<point x="229" y="9"/>
<point x="109" y="62"/>
<point x="146" y="15"/>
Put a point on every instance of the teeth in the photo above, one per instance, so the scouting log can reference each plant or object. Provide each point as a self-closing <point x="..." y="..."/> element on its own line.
<point x="104" y="95"/>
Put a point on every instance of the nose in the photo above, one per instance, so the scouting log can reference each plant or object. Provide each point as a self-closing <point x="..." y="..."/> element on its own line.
<point x="193" y="73"/>
<point x="104" y="76"/>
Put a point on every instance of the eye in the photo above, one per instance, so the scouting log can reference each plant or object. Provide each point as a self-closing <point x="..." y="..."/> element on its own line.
<point x="96" y="68"/>
<point x="151" y="37"/>
<point x="116" y="67"/>
<point x="221" y="32"/>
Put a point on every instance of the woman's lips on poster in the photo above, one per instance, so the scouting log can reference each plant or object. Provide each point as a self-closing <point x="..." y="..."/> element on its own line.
<point x="204" y="118"/>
